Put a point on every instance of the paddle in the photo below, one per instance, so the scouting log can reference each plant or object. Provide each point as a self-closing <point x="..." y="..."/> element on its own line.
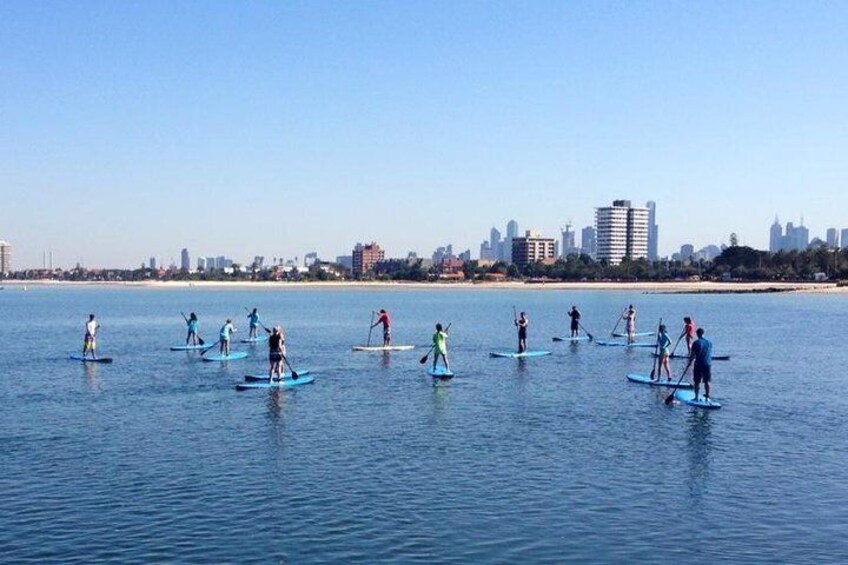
<point x="295" y="376"/>
<point x="426" y="355"/>
<point x="673" y="349"/>
<point x="591" y="337"/>
<point x="370" y="328"/>
<point x="655" y="365"/>
<point x="205" y="351"/>
<point x="620" y="317"/>
<point x="200" y="341"/>
<point x="670" y="398"/>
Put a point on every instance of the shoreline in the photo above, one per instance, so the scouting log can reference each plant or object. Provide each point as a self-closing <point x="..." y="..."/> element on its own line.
<point x="673" y="287"/>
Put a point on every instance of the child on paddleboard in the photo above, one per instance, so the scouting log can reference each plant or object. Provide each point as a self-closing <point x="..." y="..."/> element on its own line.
<point x="663" y="343"/>
<point x="224" y="336"/>
<point x="253" y="318"/>
<point x="191" y="323"/>
<point x="630" y="317"/>
<point x="440" y="347"/>
<point x="688" y="333"/>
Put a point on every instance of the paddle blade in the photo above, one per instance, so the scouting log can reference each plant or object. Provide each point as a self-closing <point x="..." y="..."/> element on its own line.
<point x="670" y="398"/>
<point x="423" y="359"/>
<point x="200" y="341"/>
<point x="295" y="376"/>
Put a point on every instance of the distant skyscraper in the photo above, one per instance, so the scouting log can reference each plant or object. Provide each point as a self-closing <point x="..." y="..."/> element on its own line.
<point x="153" y="263"/>
<point x="588" y="242"/>
<point x="775" y="236"/>
<point x="201" y="264"/>
<point x="653" y="231"/>
<point x="211" y="265"/>
<point x="365" y="257"/>
<point x="622" y="232"/>
<point x="686" y="251"/>
<point x="496" y="243"/>
<point x="832" y="238"/>
<point x="511" y="233"/>
<point x="511" y="229"/>
<point x="533" y="248"/>
<point x="185" y="260"/>
<point x="5" y="257"/>
<point x="443" y="253"/>
<point x="843" y="239"/>
<point x="568" y="245"/>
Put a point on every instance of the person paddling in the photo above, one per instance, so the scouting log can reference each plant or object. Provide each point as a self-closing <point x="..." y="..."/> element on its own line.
<point x="630" y="318"/>
<point x="90" y="342"/>
<point x="191" y="323"/>
<point x="522" y="322"/>
<point x="253" y="318"/>
<point x="575" y="321"/>
<point x="663" y="344"/>
<point x="688" y="333"/>
<point x="440" y="347"/>
<point x="227" y="330"/>
<point x="276" y="351"/>
<point x="387" y="327"/>
<point x="702" y="357"/>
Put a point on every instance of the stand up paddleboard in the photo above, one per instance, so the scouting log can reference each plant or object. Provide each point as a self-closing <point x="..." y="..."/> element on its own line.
<point x="230" y="357"/>
<point x="509" y="355"/>
<point x="573" y="339"/>
<point x="284" y="383"/>
<point x="624" y="344"/>
<point x="440" y="373"/>
<point x="637" y="334"/>
<point x="193" y="347"/>
<point x="383" y="347"/>
<point x="264" y="378"/>
<point x="688" y="397"/>
<point x="714" y="357"/>
<point x="257" y="339"/>
<point x="646" y="380"/>
<point x="78" y="357"/>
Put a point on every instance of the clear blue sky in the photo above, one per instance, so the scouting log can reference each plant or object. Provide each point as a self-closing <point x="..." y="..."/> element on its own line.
<point x="130" y="129"/>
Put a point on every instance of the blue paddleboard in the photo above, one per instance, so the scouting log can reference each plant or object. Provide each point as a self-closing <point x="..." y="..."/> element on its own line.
<point x="285" y="383"/>
<point x="688" y="397"/>
<point x="230" y="357"/>
<point x="260" y="378"/>
<point x="646" y="380"/>
<point x="440" y="373"/>
<point x="637" y="334"/>
<point x="193" y="347"/>
<point x="78" y="357"/>
<point x="624" y="344"/>
<point x="573" y="339"/>
<point x="510" y="355"/>
<point x="256" y="339"/>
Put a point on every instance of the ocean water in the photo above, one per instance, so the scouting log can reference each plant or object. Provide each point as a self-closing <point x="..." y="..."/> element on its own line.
<point x="555" y="459"/>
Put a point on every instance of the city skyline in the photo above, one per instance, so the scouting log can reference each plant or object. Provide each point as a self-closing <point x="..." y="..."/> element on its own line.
<point x="135" y="130"/>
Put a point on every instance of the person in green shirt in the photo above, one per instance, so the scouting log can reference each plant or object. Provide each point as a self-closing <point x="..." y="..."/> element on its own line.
<point x="440" y="346"/>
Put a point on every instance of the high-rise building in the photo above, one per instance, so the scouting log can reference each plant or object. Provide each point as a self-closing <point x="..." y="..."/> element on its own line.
<point x="832" y="238"/>
<point x="511" y="233"/>
<point x="589" y="242"/>
<point x="442" y="253"/>
<point x="843" y="239"/>
<point x="496" y="243"/>
<point x="533" y="248"/>
<point x="365" y="256"/>
<point x="5" y="257"/>
<point x="568" y="245"/>
<point x="153" y="263"/>
<point x="775" y="236"/>
<point x="185" y="260"/>
<point x="201" y="264"/>
<point x="653" y="231"/>
<point x="622" y="232"/>
<point x="211" y="265"/>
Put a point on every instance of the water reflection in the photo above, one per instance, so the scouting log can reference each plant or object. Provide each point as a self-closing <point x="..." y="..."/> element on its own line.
<point x="386" y="361"/>
<point x="91" y="376"/>
<point x="699" y="449"/>
<point x="275" y="403"/>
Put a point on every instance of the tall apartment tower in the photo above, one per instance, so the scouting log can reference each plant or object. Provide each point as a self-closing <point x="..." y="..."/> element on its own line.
<point x="365" y="256"/>
<point x="533" y="248"/>
<point x="775" y="236"/>
<point x="589" y="242"/>
<point x="5" y="257"/>
<point x="622" y="232"/>
<point x="653" y="231"/>
<point x="843" y="239"/>
<point x="568" y="241"/>
<point x="185" y="260"/>
<point x="832" y="238"/>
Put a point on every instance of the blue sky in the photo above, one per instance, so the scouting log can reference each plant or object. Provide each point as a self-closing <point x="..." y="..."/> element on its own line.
<point x="131" y="129"/>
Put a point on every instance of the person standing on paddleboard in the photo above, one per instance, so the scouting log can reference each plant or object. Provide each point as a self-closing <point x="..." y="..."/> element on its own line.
<point x="387" y="327"/>
<point x="663" y="344"/>
<point x="688" y="333"/>
<point x="522" y="322"/>
<point x="276" y="351"/>
<point x="191" y="323"/>
<point x="575" y="321"/>
<point x="90" y="341"/>
<point x="440" y="347"/>
<point x="253" y="318"/>
<point x="630" y="318"/>
<point x="224" y="336"/>
<point x="702" y="357"/>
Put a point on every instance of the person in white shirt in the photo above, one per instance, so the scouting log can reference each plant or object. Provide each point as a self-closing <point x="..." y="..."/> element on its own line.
<point x="90" y="343"/>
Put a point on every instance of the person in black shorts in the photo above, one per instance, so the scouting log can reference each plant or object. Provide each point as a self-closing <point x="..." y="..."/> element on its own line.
<point x="522" y="322"/>
<point x="575" y="321"/>
<point x="702" y="357"/>
<point x="276" y="351"/>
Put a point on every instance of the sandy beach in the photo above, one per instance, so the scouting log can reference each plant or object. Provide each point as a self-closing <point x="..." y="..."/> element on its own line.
<point x="676" y="287"/>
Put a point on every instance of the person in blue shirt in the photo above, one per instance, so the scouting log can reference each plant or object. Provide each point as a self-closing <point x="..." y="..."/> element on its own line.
<point x="702" y="357"/>
<point x="224" y="336"/>
<point x="663" y="344"/>
<point x="253" y="318"/>
<point x="192" y="323"/>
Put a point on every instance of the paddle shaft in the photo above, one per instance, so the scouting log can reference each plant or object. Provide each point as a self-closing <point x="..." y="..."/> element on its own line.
<point x="620" y="317"/>
<point x="295" y="376"/>
<point x="370" y="328"/>
<point x="579" y="325"/>
<point x="656" y="364"/>
<point x="676" y="343"/>
<point x="670" y="398"/>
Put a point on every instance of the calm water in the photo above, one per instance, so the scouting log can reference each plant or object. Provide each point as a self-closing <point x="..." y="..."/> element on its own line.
<point x="158" y="458"/>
